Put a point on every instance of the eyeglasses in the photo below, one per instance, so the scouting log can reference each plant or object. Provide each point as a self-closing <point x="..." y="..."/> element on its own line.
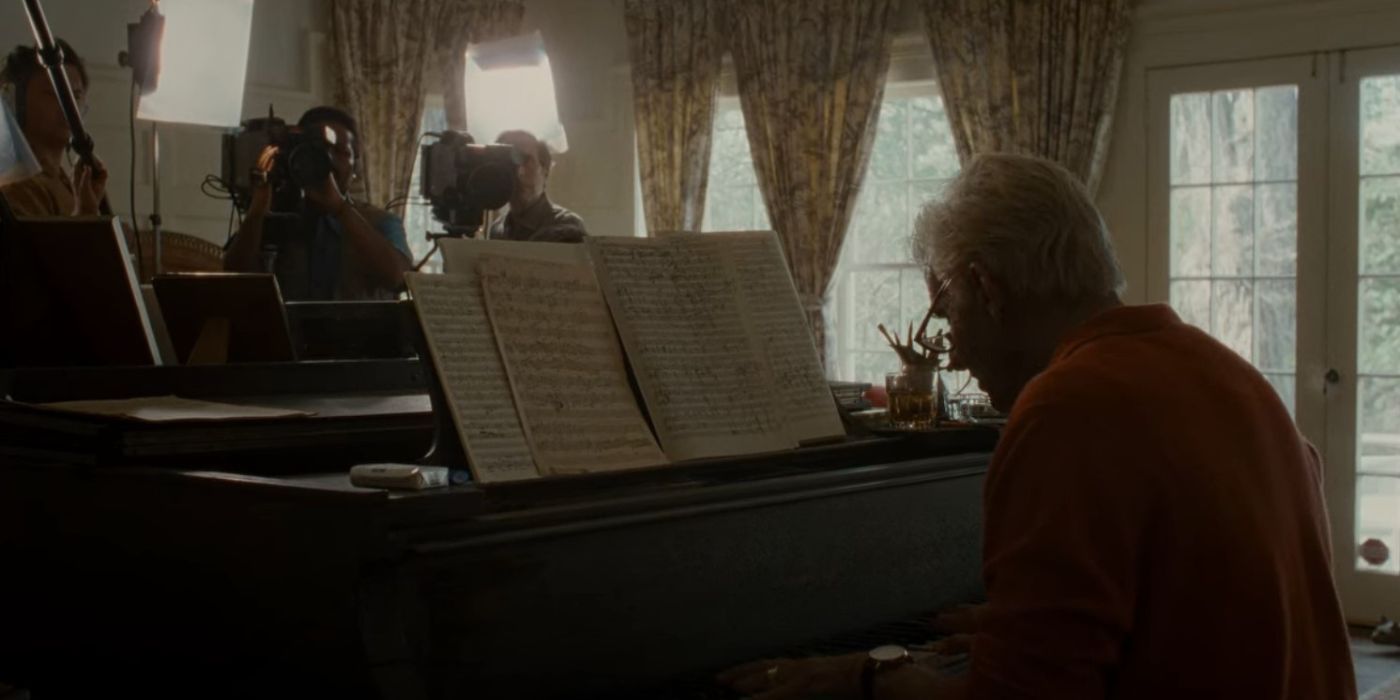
<point x="941" y="342"/>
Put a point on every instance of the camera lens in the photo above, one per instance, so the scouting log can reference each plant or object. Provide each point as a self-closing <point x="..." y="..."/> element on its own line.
<point x="309" y="164"/>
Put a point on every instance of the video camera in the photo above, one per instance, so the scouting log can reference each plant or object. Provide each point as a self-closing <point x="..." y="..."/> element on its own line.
<point x="462" y="179"/>
<point x="303" y="160"/>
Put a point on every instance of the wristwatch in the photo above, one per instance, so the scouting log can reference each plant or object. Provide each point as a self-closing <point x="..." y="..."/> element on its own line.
<point x="880" y="660"/>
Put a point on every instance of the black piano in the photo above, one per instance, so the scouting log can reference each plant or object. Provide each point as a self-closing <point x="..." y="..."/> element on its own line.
<point x="140" y="566"/>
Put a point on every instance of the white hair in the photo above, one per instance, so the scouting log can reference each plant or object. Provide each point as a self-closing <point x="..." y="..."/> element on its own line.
<point x="1028" y="222"/>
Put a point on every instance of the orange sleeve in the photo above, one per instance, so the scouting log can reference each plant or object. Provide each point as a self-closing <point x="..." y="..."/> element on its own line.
<point x="1065" y="510"/>
<point x="29" y="198"/>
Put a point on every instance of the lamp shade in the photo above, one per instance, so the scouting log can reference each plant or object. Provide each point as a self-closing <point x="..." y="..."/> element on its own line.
<point x="203" y="63"/>
<point x="510" y="85"/>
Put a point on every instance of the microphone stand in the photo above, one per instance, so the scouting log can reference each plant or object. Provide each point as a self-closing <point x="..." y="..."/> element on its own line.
<point x="51" y="56"/>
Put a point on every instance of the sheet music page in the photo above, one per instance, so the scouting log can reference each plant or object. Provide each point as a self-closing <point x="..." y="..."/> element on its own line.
<point x="677" y="309"/>
<point x="458" y="331"/>
<point x="565" y="367"/>
<point x="784" y="336"/>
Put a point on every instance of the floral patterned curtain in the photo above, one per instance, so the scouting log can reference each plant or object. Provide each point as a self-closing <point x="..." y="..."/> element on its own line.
<point x="811" y="75"/>
<point x="383" y="50"/>
<point x="1029" y="76"/>
<point x="675" y="49"/>
<point x="476" y="21"/>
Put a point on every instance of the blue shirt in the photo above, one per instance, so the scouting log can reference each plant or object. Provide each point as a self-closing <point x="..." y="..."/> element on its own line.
<point x="327" y="247"/>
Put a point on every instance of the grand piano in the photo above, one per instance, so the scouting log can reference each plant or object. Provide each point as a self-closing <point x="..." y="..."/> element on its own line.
<point x="139" y="565"/>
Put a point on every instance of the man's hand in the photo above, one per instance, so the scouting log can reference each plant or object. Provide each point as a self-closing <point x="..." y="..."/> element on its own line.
<point x="262" y="188"/>
<point x="830" y="677"/>
<point x="89" y="187"/>
<point x="328" y="196"/>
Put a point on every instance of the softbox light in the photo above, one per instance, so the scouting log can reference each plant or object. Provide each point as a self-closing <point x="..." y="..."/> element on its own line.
<point x="203" y="63"/>
<point x="510" y="85"/>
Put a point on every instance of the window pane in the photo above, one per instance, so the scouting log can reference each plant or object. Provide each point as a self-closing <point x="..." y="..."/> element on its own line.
<point x="1232" y="315"/>
<point x="1378" y="517"/>
<point x="889" y="157"/>
<point x="1379" y="331"/>
<point x="1190" y="139"/>
<point x="1380" y="224"/>
<point x="873" y="366"/>
<point x="1190" y="232"/>
<point x="1380" y="130"/>
<point x="913" y="297"/>
<point x="880" y="223"/>
<point x="1191" y="299"/>
<point x="1234" y="222"/>
<point x="1277" y="143"/>
<point x="1275" y="338"/>
<point x="1284" y="384"/>
<point x="1232" y="231"/>
<point x="729" y="208"/>
<point x="875" y="301"/>
<point x="730" y="163"/>
<point x="935" y="151"/>
<point x="1232" y="132"/>
<point x="1378" y="411"/>
<point x="1276" y="229"/>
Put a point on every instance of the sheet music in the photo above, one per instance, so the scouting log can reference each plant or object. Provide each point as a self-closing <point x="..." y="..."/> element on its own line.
<point x="566" y="367"/>
<point x="454" y="319"/>
<point x="784" y="336"/>
<point x="678" y="311"/>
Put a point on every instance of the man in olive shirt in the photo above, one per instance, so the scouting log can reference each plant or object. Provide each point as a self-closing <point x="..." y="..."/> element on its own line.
<point x="532" y="216"/>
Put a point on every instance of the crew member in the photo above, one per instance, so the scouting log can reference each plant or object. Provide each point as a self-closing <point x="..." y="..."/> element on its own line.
<point x="334" y="248"/>
<point x="1154" y="521"/>
<point x="532" y="217"/>
<point x="30" y="95"/>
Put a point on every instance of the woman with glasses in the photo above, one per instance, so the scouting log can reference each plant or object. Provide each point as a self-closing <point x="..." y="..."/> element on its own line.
<point x="30" y="96"/>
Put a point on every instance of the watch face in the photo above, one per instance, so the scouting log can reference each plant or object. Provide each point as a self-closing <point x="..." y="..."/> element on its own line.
<point x="888" y="652"/>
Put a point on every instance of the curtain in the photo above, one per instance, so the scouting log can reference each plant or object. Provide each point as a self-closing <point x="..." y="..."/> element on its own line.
<point x="1029" y="76"/>
<point x="381" y="50"/>
<point x="476" y="21"/>
<point x="811" y="75"/>
<point x="384" y="50"/>
<point x="674" y="48"/>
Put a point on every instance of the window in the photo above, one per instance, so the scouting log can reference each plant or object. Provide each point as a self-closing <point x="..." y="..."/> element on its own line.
<point x="1378" y="332"/>
<point x="417" y="212"/>
<point x="876" y="280"/>
<point x="1234" y="230"/>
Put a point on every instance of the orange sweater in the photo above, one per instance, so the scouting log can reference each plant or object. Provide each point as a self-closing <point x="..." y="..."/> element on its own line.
<point x="1155" y="528"/>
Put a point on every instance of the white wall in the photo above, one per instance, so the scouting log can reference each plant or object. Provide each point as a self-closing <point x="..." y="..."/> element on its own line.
<point x="285" y="69"/>
<point x="1179" y="32"/>
<point x="587" y="46"/>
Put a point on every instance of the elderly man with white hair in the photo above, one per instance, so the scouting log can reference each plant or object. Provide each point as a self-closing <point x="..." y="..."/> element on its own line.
<point x="1154" y="522"/>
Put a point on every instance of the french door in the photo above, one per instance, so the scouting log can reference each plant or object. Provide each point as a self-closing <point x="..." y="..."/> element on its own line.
<point x="1274" y="224"/>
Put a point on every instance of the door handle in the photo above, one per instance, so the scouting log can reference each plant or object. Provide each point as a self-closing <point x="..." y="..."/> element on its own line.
<point x="1332" y="376"/>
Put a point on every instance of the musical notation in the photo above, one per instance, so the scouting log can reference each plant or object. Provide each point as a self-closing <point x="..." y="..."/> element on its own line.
<point x="463" y="348"/>
<point x="678" y="310"/>
<point x="565" y="367"/>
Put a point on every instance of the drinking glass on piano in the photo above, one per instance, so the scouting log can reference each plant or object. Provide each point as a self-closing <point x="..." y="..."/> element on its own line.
<point x="911" y="391"/>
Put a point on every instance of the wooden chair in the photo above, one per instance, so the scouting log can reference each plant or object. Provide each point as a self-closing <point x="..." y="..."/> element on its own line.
<point x="180" y="252"/>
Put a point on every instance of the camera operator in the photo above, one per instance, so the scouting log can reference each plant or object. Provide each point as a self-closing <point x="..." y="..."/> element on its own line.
<point x="532" y="216"/>
<point x="30" y="95"/>
<point x="336" y="249"/>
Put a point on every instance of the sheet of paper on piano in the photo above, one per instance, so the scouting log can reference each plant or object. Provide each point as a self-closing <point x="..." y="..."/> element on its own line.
<point x="566" y="368"/>
<point x="769" y="299"/>
<point x="677" y="307"/>
<point x="473" y="379"/>
<point x="463" y="347"/>
<point x="169" y="409"/>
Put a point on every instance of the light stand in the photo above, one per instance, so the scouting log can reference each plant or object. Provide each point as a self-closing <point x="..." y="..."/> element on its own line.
<point x="142" y="56"/>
